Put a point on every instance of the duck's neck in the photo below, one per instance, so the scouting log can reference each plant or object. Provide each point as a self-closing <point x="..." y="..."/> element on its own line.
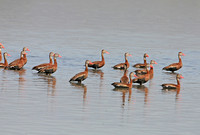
<point x="145" y="61"/>
<point x="5" y="60"/>
<point x="50" y="60"/>
<point x="86" y="67"/>
<point x="180" y="61"/>
<point x="102" y="57"/>
<point x="126" y="60"/>
<point x="55" y="62"/>
<point x="24" y="56"/>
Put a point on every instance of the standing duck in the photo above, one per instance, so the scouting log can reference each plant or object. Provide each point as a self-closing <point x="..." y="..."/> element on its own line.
<point x="82" y="75"/>
<point x="1" y="46"/>
<point x="124" y="85"/>
<point x="122" y="65"/>
<point x="51" y="68"/>
<point x="143" y="78"/>
<point x="124" y="78"/>
<point x="175" y="66"/>
<point x="142" y="65"/>
<point x="144" y="71"/>
<point x="5" y="64"/>
<point x="173" y="86"/>
<point x="18" y="63"/>
<point x="99" y="64"/>
<point x="38" y="67"/>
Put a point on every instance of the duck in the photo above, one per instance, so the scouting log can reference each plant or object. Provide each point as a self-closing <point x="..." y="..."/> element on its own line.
<point x="5" y="64"/>
<point x="18" y="63"/>
<point x="144" y="71"/>
<point x="1" y="46"/>
<point x="125" y="85"/>
<point x="122" y="65"/>
<point x="99" y="64"/>
<point x="142" y="65"/>
<point x="142" y="78"/>
<point x="38" y="67"/>
<point x="175" y="66"/>
<point x="173" y="86"/>
<point x="124" y="78"/>
<point x="82" y="75"/>
<point x="51" y="68"/>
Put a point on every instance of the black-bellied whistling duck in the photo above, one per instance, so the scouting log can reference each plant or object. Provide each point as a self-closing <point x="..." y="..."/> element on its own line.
<point x="124" y="78"/>
<point x="1" y="46"/>
<point x="143" y="89"/>
<point x="122" y="65"/>
<point x="144" y="71"/>
<point x="175" y="66"/>
<point x="95" y="72"/>
<point x="173" y="86"/>
<point x="124" y="85"/>
<point x="143" y="78"/>
<point x="99" y="64"/>
<point x="142" y="65"/>
<point x="18" y="63"/>
<point x="51" y="68"/>
<point x="82" y="75"/>
<point x="5" y="64"/>
<point x="81" y="86"/>
<point x="38" y="67"/>
<point x="24" y="55"/>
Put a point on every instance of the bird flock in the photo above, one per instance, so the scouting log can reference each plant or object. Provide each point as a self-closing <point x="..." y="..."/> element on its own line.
<point x="142" y="75"/>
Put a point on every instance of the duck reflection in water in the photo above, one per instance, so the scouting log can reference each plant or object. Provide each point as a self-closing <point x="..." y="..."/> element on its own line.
<point x="51" y="85"/>
<point x="97" y="71"/>
<point x="81" y="86"/>
<point x="144" y="89"/>
<point x="124" y="92"/>
<point x="21" y="77"/>
<point x="51" y="81"/>
<point x="170" y="91"/>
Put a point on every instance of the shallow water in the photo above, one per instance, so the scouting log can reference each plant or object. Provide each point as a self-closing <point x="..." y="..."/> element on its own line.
<point x="37" y="104"/>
